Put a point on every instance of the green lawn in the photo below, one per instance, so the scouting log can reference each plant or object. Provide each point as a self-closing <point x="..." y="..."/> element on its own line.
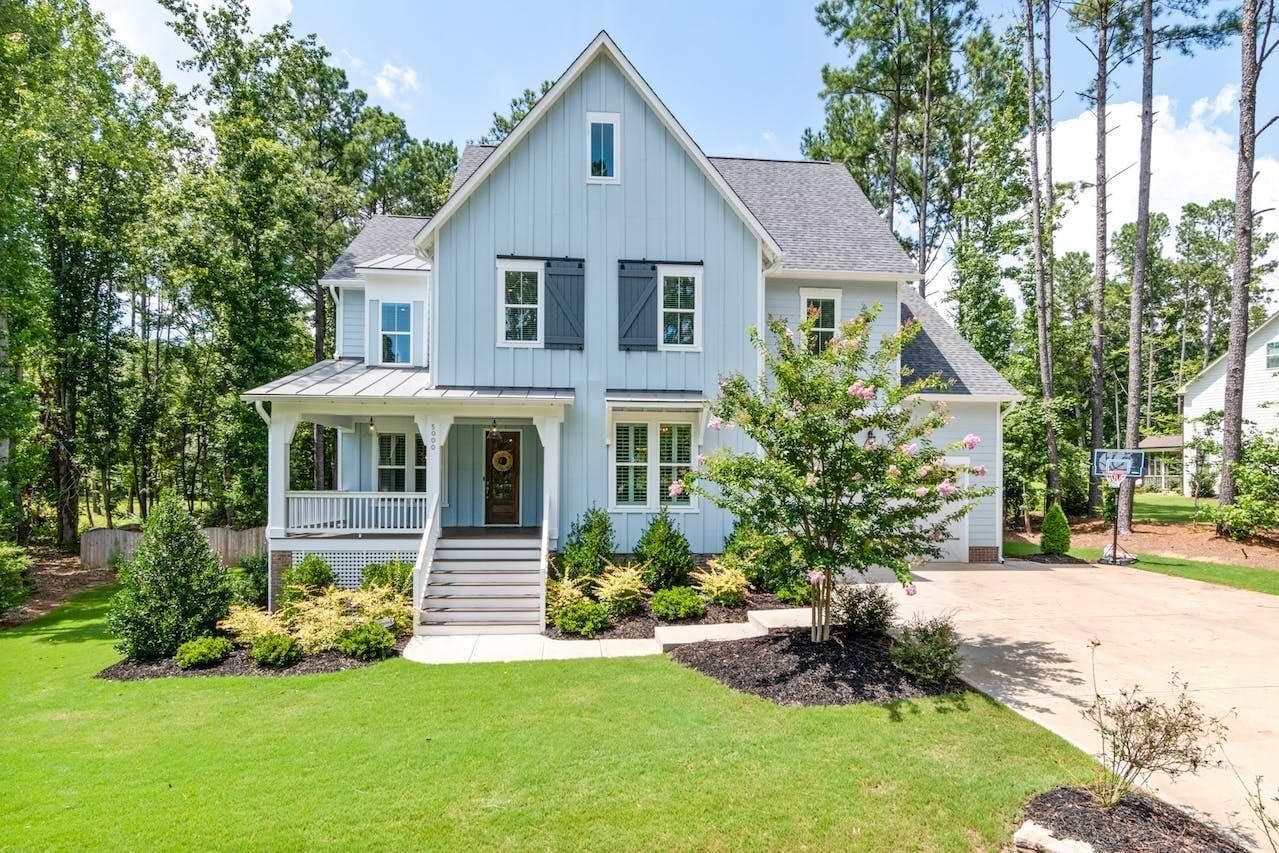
<point x="1148" y="506"/>
<point x="1239" y="577"/>
<point x="600" y="754"/>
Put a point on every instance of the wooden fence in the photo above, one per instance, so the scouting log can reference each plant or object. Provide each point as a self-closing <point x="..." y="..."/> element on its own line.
<point x="100" y="545"/>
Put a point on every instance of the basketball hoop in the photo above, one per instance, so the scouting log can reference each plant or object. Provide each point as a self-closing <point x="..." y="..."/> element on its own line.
<point x="1116" y="477"/>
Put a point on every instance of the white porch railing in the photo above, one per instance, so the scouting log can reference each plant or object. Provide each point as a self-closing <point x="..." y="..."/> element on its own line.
<point x="425" y="557"/>
<point x="355" y="512"/>
<point x="548" y="507"/>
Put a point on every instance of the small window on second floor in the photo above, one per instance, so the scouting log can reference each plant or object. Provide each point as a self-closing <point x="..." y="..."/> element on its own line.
<point x="519" y="300"/>
<point x="1272" y="355"/>
<point x="680" y="321"/>
<point x="397" y="333"/>
<point x="823" y="306"/>
<point x="603" y="146"/>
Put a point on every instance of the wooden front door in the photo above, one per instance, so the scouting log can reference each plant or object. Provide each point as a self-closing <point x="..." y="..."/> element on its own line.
<point x="502" y="477"/>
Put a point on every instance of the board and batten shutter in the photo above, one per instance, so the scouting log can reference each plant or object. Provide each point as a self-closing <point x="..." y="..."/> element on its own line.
<point x="373" y="313"/>
<point x="565" y="288"/>
<point x="418" y="337"/>
<point x="636" y="305"/>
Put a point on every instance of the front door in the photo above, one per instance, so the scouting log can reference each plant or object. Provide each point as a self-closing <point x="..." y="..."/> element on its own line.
<point x="502" y="477"/>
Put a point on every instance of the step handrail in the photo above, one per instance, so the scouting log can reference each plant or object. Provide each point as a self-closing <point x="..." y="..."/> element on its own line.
<point x="426" y="556"/>
<point x="548" y="507"/>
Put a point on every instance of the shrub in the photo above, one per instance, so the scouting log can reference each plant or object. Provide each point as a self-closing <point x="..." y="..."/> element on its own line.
<point x="1256" y="506"/>
<point x="396" y="575"/>
<point x="1055" y="536"/>
<point x="308" y="577"/>
<point x="621" y="589"/>
<point x="589" y="545"/>
<point x="249" y="623"/>
<point x="319" y="622"/>
<point x="15" y="576"/>
<point x="664" y="553"/>
<point x="369" y="641"/>
<point x="865" y="609"/>
<point x="584" y="618"/>
<point x="797" y="593"/>
<point x="276" y="650"/>
<point x="928" y="651"/>
<point x="677" y="603"/>
<point x="765" y="559"/>
<point x="722" y="585"/>
<point x="202" y="652"/>
<point x="249" y="581"/>
<point x="560" y="594"/>
<point x="173" y="590"/>
<point x="382" y="602"/>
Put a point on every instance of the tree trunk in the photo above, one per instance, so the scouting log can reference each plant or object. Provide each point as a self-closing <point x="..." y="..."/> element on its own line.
<point x="1132" y="434"/>
<point x="1049" y="189"/>
<point x="894" y="147"/>
<point x="1150" y="383"/>
<point x="1098" y="342"/>
<point x="923" y="163"/>
<point x="318" y="467"/>
<point x="1232" y="422"/>
<point x="1037" y="247"/>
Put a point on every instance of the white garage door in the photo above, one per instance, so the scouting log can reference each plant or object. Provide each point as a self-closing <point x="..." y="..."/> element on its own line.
<point x="955" y="548"/>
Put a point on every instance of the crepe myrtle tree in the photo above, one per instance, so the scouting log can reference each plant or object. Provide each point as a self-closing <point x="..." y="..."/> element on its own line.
<point x="846" y="474"/>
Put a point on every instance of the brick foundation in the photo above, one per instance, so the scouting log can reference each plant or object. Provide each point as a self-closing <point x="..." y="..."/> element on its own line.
<point x="280" y="560"/>
<point x="983" y="554"/>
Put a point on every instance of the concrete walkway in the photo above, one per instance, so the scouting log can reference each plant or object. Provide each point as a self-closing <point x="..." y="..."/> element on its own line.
<point x="1027" y="628"/>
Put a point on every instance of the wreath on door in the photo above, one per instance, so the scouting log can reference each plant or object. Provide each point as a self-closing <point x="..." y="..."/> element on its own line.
<point x="503" y="460"/>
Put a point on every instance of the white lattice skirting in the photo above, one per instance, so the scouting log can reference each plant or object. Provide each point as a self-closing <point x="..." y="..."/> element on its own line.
<point x="348" y="566"/>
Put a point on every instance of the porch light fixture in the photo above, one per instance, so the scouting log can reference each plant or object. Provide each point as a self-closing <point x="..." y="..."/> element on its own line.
<point x="492" y="430"/>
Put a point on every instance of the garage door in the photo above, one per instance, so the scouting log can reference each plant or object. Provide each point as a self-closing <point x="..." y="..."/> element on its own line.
<point x="955" y="548"/>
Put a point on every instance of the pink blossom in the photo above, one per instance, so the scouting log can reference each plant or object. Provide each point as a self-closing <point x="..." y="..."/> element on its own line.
<point x="925" y="470"/>
<point x="910" y="589"/>
<point x="946" y="488"/>
<point x="938" y="535"/>
<point x="811" y="481"/>
<point x="980" y="470"/>
<point x="971" y="441"/>
<point x="676" y="489"/>
<point x="864" y="392"/>
<point x="871" y="444"/>
<point x="701" y="460"/>
<point x="855" y="477"/>
<point x="816" y="576"/>
<point x="730" y="425"/>
<point x="894" y="470"/>
<point x="909" y="450"/>
<point x="715" y="422"/>
<point x="921" y="491"/>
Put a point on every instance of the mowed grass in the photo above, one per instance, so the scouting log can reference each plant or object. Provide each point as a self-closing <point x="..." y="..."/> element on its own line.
<point x="1240" y="577"/>
<point x="1161" y="508"/>
<point x="616" y="754"/>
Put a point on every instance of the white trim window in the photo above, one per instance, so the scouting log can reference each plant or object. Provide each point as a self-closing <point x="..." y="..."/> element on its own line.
<point x="827" y="303"/>
<point x="1272" y="355"/>
<point x="603" y="148"/>
<point x="680" y="320"/>
<point x="520" y="298"/>
<point x="396" y="332"/>
<point x="392" y="472"/>
<point x="640" y="479"/>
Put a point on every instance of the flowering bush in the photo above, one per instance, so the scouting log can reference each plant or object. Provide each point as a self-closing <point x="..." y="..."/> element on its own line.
<point x="848" y="476"/>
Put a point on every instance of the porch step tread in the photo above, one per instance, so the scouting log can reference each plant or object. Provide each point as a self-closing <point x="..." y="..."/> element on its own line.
<point x="487" y="557"/>
<point x="484" y="596"/>
<point x="477" y="606"/>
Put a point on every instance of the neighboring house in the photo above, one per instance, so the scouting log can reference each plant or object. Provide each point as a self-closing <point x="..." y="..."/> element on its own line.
<point x="1206" y="394"/>
<point x="549" y="340"/>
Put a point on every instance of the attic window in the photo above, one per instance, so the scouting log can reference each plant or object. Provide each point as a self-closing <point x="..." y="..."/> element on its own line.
<point x="603" y="147"/>
<point x="1272" y="355"/>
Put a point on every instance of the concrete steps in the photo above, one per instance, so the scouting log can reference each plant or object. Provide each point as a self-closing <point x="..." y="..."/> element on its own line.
<point x="483" y="586"/>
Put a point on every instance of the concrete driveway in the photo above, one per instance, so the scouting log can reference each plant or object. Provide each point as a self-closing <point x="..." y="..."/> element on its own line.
<point x="1027" y="627"/>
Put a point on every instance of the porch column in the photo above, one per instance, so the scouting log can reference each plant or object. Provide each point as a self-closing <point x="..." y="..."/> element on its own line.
<point x="548" y="431"/>
<point x="279" y="437"/>
<point x="434" y="430"/>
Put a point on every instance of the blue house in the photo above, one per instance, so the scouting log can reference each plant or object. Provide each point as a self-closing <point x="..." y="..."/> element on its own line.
<point x="548" y="342"/>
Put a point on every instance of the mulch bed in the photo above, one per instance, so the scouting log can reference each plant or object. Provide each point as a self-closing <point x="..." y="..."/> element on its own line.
<point x="788" y="668"/>
<point x="1052" y="559"/>
<point x="58" y="576"/>
<point x="640" y="626"/>
<point x="239" y="663"/>
<point x="1139" y="824"/>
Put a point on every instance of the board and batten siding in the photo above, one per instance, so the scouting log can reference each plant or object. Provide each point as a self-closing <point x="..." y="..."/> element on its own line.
<point x="352" y="322"/>
<point x="981" y="419"/>
<point x="782" y="300"/>
<point x="538" y="203"/>
<point x="464" y="489"/>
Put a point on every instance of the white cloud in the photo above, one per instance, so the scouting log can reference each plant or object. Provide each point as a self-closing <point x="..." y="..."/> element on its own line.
<point x="393" y="81"/>
<point x="768" y="136"/>
<point x="1205" y="110"/>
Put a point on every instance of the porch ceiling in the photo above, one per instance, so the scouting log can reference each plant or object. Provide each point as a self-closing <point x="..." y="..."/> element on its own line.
<point x="353" y="379"/>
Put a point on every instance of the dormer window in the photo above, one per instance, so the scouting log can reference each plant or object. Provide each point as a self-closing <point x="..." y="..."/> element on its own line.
<point x="603" y="145"/>
<point x="397" y="333"/>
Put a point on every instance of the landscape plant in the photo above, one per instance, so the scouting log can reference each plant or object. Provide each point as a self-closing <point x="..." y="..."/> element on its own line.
<point x="766" y="560"/>
<point x="928" y="651"/>
<point x="664" y="552"/>
<point x="1055" y="536"/>
<point x="561" y="593"/>
<point x="720" y="584"/>
<point x="846" y="472"/>
<point x="246" y="624"/>
<point x="319" y="621"/>
<point x="1256" y="482"/>
<point x="589" y="546"/>
<point x="174" y="588"/>
<point x="676" y="604"/>
<point x="367" y="642"/>
<point x="584" y="618"/>
<point x="307" y="577"/>
<point x="622" y="590"/>
<point x="202" y="652"/>
<point x="396" y="575"/>
<point x="865" y="609"/>
<point x="15" y="576"/>
<point x="278" y="651"/>
<point x="249" y="581"/>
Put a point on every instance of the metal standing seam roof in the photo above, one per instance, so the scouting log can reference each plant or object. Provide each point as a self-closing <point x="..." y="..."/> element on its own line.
<point x="380" y="237"/>
<point x="397" y="263"/>
<point x="351" y="378"/>
<point x="940" y="350"/>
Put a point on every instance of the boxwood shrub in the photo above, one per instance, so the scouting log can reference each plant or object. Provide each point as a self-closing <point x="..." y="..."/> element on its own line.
<point x="276" y="650"/>
<point x="583" y="618"/>
<point x="202" y="652"/>
<point x="677" y="603"/>
<point x="369" y="641"/>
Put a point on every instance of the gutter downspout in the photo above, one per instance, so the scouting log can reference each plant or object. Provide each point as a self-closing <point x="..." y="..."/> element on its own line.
<point x="337" y="322"/>
<point x="261" y="407"/>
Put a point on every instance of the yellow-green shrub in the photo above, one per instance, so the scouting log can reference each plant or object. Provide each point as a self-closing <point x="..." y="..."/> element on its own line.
<point x="721" y="584"/>
<point x="621" y="589"/>
<point x="319" y="622"/>
<point x="560" y="594"/>
<point x="383" y="602"/>
<point x="249" y="623"/>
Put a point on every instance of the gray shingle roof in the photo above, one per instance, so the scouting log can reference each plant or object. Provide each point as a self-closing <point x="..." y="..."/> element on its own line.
<point x="380" y="236"/>
<point x="940" y="350"/>
<point x="817" y="213"/>
<point x="814" y="210"/>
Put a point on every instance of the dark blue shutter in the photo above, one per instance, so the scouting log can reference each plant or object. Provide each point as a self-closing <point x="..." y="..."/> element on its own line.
<point x="636" y="306"/>
<point x="565" y="304"/>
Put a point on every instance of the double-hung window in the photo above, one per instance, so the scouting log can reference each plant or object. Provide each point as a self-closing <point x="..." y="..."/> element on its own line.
<point x="823" y="306"/>
<point x="520" y="298"/>
<point x="631" y="447"/>
<point x="675" y="457"/>
<point x="390" y="462"/>
<point x="1272" y="355"/>
<point x="419" y="463"/>
<point x="680" y="291"/>
<point x="604" y="147"/>
<point x="397" y="333"/>
<point x="650" y="451"/>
